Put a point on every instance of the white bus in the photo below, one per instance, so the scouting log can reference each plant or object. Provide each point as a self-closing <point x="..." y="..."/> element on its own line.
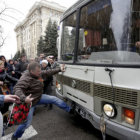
<point x="97" y="44"/>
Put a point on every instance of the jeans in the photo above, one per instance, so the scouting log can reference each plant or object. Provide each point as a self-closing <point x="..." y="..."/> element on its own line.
<point x="45" y="99"/>
<point x="11" y="88"/>
<point x="1" y="125"/>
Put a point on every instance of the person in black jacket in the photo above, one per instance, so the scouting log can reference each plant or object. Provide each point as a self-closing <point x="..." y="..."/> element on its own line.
<point x="11" y="68"/>
<point x="5" y="82"/>
<point x="3" y="99"/>
<point x="6" y="78"/>
<point x="2" y="58"/>
<point x="21" y="66"/>
<point x="47" y="81"/>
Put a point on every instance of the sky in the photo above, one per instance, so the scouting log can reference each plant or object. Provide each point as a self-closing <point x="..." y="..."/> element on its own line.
<point x="17" y="12"/>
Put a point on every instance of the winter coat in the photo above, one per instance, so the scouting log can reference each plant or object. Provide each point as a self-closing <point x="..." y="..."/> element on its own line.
<point x="20" y="68"/>
<point x="47" y="81"/>
<point x="29" y="84"/>
<point x="10" y="69"/>
<point x="6" y="77"/>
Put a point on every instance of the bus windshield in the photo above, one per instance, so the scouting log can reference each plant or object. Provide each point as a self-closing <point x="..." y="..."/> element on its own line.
<point x="67" y="37"/>
<point x="108" y="33"/>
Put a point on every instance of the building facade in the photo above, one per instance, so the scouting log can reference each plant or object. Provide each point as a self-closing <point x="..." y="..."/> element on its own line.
<point x="33" y="26"/>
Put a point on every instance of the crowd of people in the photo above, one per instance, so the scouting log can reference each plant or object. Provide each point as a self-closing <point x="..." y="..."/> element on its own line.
<point x="11" y="70"/>
<point x="28" y="81"/>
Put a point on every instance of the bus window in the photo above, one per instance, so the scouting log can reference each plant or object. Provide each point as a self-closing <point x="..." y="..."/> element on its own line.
<point x="105" y="35"/>
<point x="135" y="28"/>
<point x="68" y="38"/>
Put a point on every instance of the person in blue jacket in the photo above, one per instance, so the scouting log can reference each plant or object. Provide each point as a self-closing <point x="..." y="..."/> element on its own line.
<point x="3" y="99"/>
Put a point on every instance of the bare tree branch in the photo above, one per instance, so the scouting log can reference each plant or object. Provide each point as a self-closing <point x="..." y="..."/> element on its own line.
<point x="10" y="16"/>
<point x="7" y="21"/>
<point x="9" y="8"/>
<point x="2" y="40"/>
<point x="2" y="10"/>
<point x="15" y="10"/>
<point x="3" y="16"/>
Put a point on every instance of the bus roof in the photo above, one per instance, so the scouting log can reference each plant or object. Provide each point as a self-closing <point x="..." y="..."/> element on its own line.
<point x="74" y="7"/>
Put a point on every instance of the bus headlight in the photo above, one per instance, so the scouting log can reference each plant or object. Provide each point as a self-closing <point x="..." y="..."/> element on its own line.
<point x="109" y="110"/>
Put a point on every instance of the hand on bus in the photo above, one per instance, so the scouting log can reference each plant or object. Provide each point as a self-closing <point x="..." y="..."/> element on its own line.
<point x="138" y="44"/>
<point x="62" y="68"/>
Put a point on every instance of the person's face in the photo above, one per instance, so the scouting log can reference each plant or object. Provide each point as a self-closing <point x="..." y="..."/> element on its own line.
<point x="3" y="59"/>
<point x="48" y="59"/>
<point x="41" y="56"/>
<point x="51" y="61"/>
<point x="11" y="62"/>
<point x="36" y="72"/>
<point x="32" y="60"/>
<point x="1" y="66"/>
<point x="44" y="65"/>
<point x="15" y="62"/>
<point x="23" y="59"/>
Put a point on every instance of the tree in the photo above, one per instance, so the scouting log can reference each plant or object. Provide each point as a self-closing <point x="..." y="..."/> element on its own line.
<point x="6" y="15"/>
<point x="23" y="52"/>
<point x="54" y="40"/>
<point x="17" y="55"/>
<point x="2" y="38"/>
<point x="47" y="44"/>
<point x="50" y="39"/>
<point x="40" y="46"/>
<point x="46" y="37"/>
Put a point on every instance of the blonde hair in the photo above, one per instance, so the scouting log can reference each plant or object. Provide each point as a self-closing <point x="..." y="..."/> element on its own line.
<point x="1" y="62"/>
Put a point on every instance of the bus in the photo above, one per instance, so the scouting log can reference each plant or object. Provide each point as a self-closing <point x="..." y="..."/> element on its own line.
<point x="99" y="43"/>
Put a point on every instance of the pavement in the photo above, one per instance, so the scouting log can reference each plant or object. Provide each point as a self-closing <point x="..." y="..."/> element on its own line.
<point x="57" y="124"/>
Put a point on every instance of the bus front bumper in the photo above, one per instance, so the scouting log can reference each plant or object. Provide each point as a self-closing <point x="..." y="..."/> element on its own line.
<point x="113" y="129"/>
<point x="118" y="131"/>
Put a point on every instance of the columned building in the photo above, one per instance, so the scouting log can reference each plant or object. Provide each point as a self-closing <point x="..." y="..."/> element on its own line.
<point x="33" y="26"/>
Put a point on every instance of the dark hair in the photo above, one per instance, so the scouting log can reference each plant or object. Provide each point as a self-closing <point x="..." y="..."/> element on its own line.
<point x="10" y="60"/>
<point x="2" y="56"/>
<point x="5" y="63"/>
<point x="23" y="55"/>
<point x="33" y="65"/>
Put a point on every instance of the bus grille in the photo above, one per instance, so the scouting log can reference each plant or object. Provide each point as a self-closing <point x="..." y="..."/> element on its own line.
<point x="83" y="86"/>
<point x="124" y="96"/>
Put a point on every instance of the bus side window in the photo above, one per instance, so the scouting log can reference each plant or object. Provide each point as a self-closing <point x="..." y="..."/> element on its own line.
<point x="135" y="28"/>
